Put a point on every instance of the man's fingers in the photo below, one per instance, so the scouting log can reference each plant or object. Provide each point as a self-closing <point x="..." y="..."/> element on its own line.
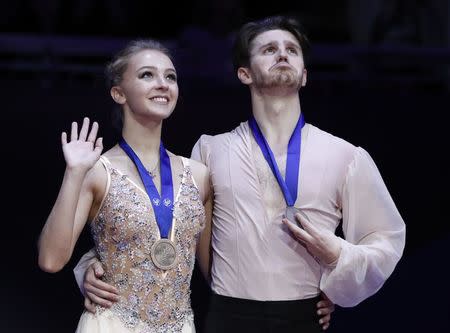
<point x="98" y="269"/>
<point x="101" y="288"/>
<point x="298" y="232"/>
<point x="89" y="305"/>
<point x="98" y="300"/>
<point x="93" y="284"/>
<point x="303" y="219"/>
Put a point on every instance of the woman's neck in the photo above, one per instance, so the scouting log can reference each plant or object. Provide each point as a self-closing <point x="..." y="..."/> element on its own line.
<point x="145" y="138"/>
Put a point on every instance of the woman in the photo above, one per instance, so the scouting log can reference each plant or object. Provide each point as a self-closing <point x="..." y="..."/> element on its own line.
<point x="145" y="206"/>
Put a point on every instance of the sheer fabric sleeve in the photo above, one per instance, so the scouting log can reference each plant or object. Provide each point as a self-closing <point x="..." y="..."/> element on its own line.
<point x="80" y="269"/>
<point x="374" y="236"/>
<point x="201" y="150"/>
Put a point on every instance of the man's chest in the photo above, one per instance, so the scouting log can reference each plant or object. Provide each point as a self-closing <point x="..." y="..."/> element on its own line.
<point x="270" y="189"/>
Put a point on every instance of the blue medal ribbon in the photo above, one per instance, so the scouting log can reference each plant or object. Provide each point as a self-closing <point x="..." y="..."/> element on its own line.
<point x="162" y="204"/>
<point x="290" y="185"/>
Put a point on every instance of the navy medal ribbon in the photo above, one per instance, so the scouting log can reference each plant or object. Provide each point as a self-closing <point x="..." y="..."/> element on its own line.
<point x="162" y="204"/>
<point x="289" y="185"/>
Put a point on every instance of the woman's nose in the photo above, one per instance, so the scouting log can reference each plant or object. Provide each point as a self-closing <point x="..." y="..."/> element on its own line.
<point x="162" y="83"/>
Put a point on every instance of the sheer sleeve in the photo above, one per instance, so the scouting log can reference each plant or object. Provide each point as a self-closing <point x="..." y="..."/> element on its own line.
<point x="201" y="150"/>
<point x="80" y="269"/>
<point x="374" y="236"/>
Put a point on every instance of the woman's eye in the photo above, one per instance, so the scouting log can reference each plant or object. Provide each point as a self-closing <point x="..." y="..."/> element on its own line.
<point x="146" y="75"/>
<point x="292" y="50"/>
<point x="171" y="77"/>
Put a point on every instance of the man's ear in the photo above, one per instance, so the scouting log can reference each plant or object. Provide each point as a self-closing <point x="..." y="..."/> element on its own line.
<point x="304" y="77"/>
<point x="117" y="95"/>
<point x="244" y="75"/>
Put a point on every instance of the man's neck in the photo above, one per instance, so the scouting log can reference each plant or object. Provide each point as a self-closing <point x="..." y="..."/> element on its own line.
<point x="277" y="118"/>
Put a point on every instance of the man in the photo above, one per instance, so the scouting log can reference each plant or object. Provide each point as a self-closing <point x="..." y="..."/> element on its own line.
<point x="281" y="188"/>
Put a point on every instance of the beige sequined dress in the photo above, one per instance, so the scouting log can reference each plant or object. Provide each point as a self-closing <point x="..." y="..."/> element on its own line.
<point x="151" y="300"/>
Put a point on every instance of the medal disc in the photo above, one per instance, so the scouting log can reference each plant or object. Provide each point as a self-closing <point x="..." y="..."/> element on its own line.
<point x="164" y="254"/>
<point x="290" y="215"/>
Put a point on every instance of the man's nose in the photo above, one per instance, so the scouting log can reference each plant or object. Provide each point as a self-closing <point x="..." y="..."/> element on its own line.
<point x="282" y="55"/>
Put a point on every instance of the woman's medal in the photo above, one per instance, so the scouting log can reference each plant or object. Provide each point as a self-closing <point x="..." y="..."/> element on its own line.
<point x="163" y="252"/>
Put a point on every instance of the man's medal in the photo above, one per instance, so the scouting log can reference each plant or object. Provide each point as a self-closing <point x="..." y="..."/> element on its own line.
<point x="289" y="185"/>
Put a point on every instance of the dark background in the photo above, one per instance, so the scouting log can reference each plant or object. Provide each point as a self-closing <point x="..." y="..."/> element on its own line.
<point x="379" y="77"/>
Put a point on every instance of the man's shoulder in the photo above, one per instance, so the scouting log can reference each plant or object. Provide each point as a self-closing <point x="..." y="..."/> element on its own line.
<point x="330" y="139"/>
<point x="218" y="138"/>
<point x="209" y="144"/>
<point x="333" y="147"/>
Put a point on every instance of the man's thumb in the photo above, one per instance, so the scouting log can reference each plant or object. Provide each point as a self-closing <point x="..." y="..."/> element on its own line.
<point x="98" y="269"/>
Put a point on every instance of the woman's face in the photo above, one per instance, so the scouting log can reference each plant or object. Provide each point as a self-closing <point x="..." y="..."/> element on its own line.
<point x="149" y="85"/>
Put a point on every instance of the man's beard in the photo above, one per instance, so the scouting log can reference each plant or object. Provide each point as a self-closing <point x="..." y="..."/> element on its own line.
<point x="278" y="78"/>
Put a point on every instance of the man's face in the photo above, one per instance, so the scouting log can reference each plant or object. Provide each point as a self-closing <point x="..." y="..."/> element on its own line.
<point x="276" y="61"/>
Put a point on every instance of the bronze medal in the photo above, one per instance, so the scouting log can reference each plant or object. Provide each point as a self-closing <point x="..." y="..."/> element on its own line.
<point x="164" y="254"/>
<point x="290" y="215"/>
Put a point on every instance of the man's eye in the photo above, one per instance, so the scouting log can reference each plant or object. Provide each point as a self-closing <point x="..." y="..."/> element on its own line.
<point x="269" y="50"/>
<point x="292" y="50"/>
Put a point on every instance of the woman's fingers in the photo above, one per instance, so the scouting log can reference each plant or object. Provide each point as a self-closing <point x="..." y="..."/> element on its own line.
<point x="83" y="136"/>
<point x="84" y="129"/>
<point x="74" y="131"/>
<point x="93" y="133"/>
<point x="325" y="322"/>
<point x="64" y="138"/>
<point x="325" y="309"/>
<point x="99" y="145"/>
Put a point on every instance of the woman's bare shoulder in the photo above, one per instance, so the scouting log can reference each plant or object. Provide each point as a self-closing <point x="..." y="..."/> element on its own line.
<point x="200" y="174"/>
<point x="97" y="177"/>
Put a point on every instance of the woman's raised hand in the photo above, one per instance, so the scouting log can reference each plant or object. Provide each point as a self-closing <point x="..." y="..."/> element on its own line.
<point x="84" y="149"/>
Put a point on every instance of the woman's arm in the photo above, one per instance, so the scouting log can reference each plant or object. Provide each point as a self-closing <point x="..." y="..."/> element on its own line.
<point x="202" y="179"/>
<point x="204" y="257"/>
<point x="71" y="209"/>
